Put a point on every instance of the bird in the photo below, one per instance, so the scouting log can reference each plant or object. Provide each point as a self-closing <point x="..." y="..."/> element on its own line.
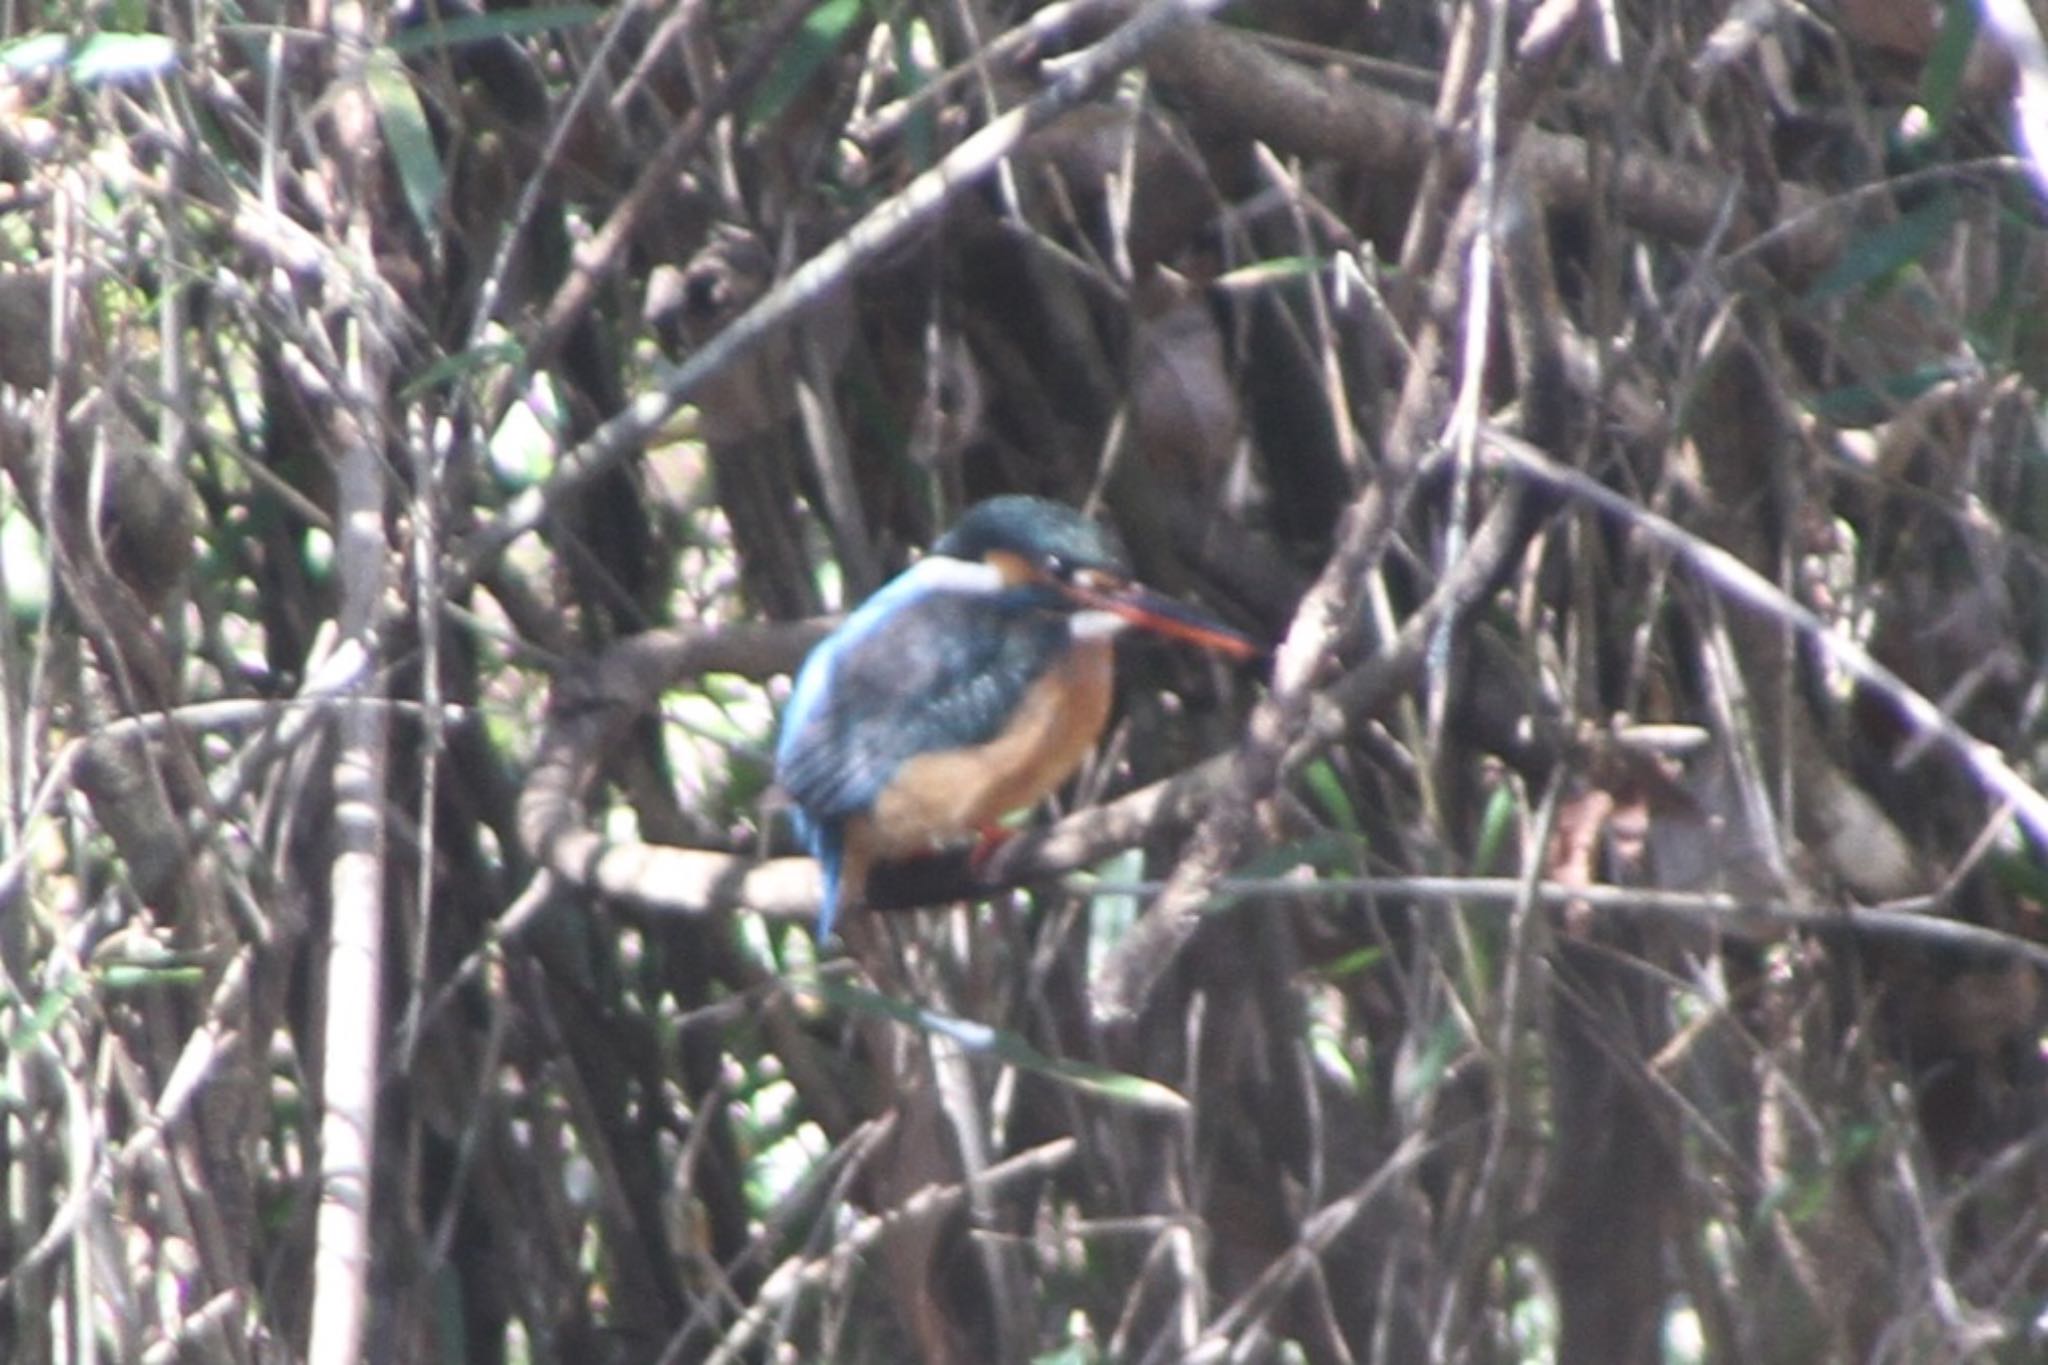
<point x="970" y="686"/>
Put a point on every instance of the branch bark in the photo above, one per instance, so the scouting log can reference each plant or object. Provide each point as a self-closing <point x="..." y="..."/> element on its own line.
<point x="354" y="977"/>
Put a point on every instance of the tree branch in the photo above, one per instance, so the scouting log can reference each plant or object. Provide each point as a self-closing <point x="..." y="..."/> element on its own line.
<point x="887" y="226"/>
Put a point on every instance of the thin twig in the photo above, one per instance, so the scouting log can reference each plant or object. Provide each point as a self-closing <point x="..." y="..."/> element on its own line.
<point x="1004" y="52"/>
<point x="885" y="227"/>
<point x="792" y="1277"/>
<point x="607" y="249"/>
<point x="1740" y="583"/>
<point x="1716" y="911"/>
<point x="204" y="1051"/>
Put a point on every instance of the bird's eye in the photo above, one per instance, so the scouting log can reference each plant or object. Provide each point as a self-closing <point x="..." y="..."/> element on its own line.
<point x="1057" y="567"/>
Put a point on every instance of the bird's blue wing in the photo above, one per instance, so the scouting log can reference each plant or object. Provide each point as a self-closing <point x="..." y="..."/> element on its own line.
<point x="930" y="672"/>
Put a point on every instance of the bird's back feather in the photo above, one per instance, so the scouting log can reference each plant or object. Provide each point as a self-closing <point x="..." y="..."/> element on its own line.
<point x="942" y="672"/>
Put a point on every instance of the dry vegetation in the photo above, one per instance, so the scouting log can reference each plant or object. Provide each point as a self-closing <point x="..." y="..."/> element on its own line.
<point x="1609" y="929"/>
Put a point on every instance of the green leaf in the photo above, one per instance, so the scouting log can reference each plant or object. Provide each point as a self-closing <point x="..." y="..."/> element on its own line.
<point x="404" y="121"/>
<point x="915" y="47"/>
<point x="1138" y="1091"/>
<point x="102" y="57"/>
<point x="1329" y="791"/>
<point x="1263" y="274"/>
<point x="134" y="976"/>
<point x="462" y="364"/>
<point x="122" y="56"/>
<point x="2019" y="873"/>
<point x="53" y="1006"/>
<point x="1112" y="913"/>
<point x="1885" y="250"/>
<point x="25" y="556"/>
<point x="1340" y="854"/>
<point x="1073" y="1353"/>
<point x="1446" y="1042"/>
<point x="1803" y="1192"/>
<point x="1941" y="80"/>
<point x="809" y="48"/>
<point x="479" y="28"/>
<point x="523" y="448"/>
<point x="37" y="52"/>
<point x="1856" y="405"/>
<point x="1352" y="963"/>
<point x="1495" y="825"/>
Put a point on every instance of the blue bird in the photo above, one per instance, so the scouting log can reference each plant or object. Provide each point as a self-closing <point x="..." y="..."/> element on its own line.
<point x="970" y="686"/>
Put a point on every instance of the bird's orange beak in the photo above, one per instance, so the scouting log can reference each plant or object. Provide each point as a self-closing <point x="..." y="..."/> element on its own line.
<point x="1163" y="615"/>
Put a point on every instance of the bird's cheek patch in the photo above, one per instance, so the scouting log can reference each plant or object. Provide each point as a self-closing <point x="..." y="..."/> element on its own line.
<point x="1096" y="625"/>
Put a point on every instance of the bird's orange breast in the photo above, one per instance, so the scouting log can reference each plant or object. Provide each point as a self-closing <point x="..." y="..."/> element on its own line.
<point x="944" y="795"/>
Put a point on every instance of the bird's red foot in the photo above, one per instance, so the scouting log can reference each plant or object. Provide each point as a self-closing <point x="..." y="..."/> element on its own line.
<point x="988" y="839"/>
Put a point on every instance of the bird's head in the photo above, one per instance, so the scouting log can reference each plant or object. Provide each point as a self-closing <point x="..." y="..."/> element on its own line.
<point x="1078" y="565"/>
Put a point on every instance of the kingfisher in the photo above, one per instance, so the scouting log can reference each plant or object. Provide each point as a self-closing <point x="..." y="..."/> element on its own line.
<point x="970" y="686"/>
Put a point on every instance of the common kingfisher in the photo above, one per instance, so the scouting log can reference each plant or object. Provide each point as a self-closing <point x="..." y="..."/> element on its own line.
<point x="969" y="687"/>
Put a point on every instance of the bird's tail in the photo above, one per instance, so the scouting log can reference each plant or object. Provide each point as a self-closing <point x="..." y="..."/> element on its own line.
<point x="827" y="842"/>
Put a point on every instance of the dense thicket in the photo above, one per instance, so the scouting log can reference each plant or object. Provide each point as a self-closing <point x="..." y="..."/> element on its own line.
<point x="1609" y="928"/>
